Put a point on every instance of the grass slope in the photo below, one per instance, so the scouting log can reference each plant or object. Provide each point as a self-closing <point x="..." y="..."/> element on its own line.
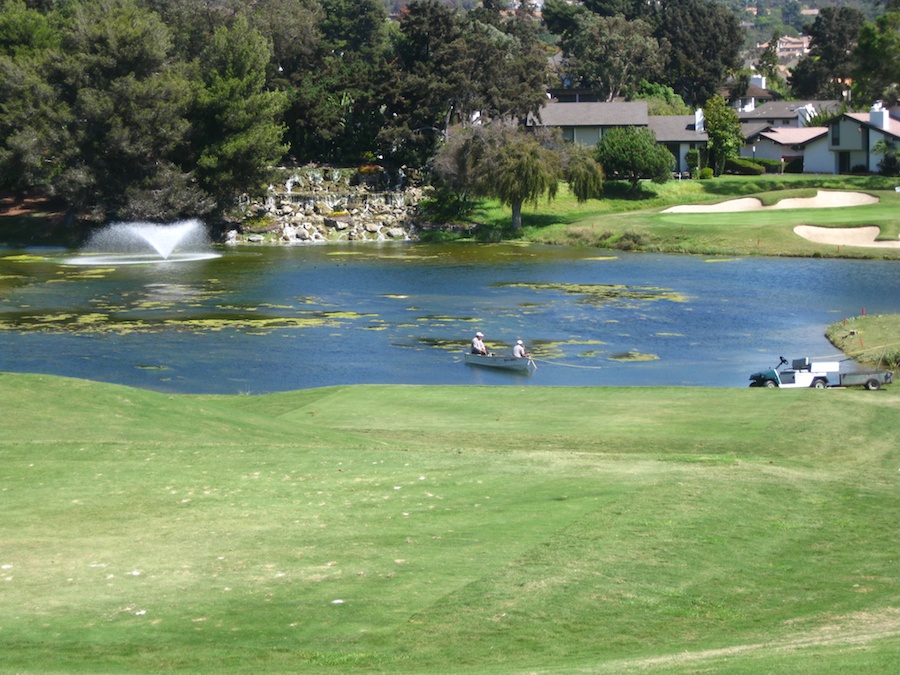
<point x="448" y="529"/>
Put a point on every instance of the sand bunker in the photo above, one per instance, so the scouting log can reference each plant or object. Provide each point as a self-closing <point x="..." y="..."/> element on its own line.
<point x="822" y="200"/>
<point x="836" y="236"/>
<point x="845" y="236"/>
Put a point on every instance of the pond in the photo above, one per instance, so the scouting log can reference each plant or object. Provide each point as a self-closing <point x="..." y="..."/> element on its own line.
<point x="264" y="319"/>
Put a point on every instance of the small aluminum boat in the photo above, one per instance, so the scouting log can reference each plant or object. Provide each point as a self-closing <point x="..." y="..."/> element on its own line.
<point x="504" y="362"/>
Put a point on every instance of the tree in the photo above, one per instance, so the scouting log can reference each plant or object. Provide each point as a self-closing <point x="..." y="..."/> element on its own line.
<point x="500" y="161"/>
<point x="705" y="39"/>
<point x="825" y="72"/>
<point x="583" y="174"/>
<point x="420" y="111"/>
<point x="454" y="69"/>
<point x="611" y="55"/>
<point x="561" y="17"/>
<point x="338" y="92"/>
<point x="125" y="103"/>
<point x="876" y="69"/>
<point x="767" y="64"/>
<point x="661" y="99"/>
<point x="24" y="30"/>
<point x="632" y="153"/>
<point x="889" y="165"/>
<point x="723" y="131"/>
<point x="239" y="138"/>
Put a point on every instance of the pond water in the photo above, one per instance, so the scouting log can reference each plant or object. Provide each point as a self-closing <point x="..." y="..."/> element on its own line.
<point x="267" y="319"/>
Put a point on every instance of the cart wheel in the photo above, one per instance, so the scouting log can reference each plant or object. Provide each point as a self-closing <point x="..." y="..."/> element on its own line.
<point x="770" y="384"/>
<point x="873" y="385"/>
<point x="820" y="384"/>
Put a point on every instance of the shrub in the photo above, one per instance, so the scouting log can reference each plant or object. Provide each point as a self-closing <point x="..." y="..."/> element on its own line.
<point x="692" y="158"/>
<point x="770" y="165"/>
<point x="889" y="165"/>
<point x="706" y="173"/>
<point x="743" y="167"/>
<point x="891" y="360"/>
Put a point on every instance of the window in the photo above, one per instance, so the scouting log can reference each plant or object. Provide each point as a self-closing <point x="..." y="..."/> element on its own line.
<point x="836" y="133"/>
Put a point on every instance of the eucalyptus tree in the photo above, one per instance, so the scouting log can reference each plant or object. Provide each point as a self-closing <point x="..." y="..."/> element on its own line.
<point x="826" y="70"/>
<point x="453" y="68"/>
<point x="705" y="39"/>
<point x="876" y="61"/>
<point x="611" y="55"/>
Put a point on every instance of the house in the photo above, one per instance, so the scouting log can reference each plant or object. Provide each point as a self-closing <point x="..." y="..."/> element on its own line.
<point x="679" y="133"/>
<point x="776" y="130"/>
<point x="756" y="95"/>
<point x="853" y="137"/>
<point x="786" y="144"/>
<point x="585" y="122"/>
<point x="787" y="113"/>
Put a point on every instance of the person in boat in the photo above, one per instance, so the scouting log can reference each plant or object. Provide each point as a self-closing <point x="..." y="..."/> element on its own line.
<point x="478" y="344"/>
<point x="519" y="351"/>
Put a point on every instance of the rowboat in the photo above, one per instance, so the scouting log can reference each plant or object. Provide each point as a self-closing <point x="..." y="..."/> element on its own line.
<point x="502" y="362"/>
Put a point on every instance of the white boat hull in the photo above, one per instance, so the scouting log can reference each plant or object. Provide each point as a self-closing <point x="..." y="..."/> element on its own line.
<point x="501" y="362"/>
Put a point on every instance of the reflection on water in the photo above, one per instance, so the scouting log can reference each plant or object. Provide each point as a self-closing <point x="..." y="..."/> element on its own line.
<point x="271" y="319"/>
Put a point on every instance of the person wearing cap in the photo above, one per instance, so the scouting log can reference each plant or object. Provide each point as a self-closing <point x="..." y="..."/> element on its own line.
<point x="519" y="351"/>
<point x="478" y="344"/>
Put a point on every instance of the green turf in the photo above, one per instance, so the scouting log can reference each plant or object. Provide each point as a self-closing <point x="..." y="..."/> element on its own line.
<point x="448" y="529"/>
<point x="634" y="221"/>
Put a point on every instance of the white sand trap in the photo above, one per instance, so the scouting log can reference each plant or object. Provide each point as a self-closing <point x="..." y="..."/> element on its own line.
<point x="845" y="236"/>
<point x="822" y="200"/>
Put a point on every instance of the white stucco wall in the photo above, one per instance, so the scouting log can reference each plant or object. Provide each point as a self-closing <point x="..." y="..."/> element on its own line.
<point x="818" y="158"/>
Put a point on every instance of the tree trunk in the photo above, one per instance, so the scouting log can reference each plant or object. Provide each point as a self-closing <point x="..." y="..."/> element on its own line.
<point x="517" y="215"/>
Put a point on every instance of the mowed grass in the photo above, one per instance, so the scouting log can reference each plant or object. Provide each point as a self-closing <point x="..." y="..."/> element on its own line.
<point x="635" y="221"/>
<point x="404" y="529"/>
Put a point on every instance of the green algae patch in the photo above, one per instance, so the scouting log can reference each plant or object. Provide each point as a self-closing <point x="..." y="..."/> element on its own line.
<point x="633" y="356"/>
<point x="603" y="294"/>
<point x="346" y="315"/>
<point x="24" y="257"/>
<point x="118" y="323"/>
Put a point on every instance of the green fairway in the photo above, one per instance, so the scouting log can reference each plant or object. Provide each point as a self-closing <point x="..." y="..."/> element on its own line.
<point x="448" y="529"/>
<point x="625" y="220"/>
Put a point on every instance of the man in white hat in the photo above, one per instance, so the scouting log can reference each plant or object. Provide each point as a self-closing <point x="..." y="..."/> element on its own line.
<point x="478" y="344"/>
<point x="519" y="351"/>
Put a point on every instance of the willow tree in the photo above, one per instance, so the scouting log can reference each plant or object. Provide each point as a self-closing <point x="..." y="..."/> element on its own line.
<point x="583" y="174"/>
<point x="500" y="161"/>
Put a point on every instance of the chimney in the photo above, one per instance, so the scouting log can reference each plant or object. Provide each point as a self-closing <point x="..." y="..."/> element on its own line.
<point x="699" y="120"/>
<point x="878" y="116"/>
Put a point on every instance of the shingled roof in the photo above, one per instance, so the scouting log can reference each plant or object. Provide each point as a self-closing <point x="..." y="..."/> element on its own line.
<point x="676" y="129"/>
<point x="628" y="114"/>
